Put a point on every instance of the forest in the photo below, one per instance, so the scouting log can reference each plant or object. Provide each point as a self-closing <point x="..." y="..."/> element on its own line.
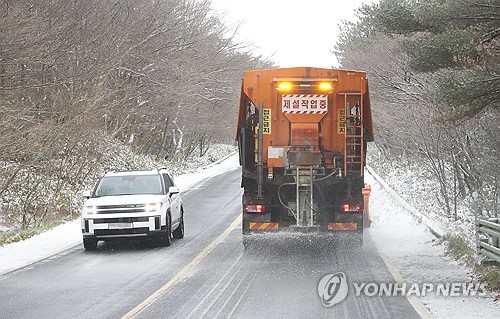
<point x="434" y="71"/>
<point x="80" y="80"/>
<point x="79" y="77"/>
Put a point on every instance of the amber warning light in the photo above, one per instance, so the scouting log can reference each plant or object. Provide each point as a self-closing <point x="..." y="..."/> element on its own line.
<point x="288" y="86"/>
<point x="325" y="86"/>
<point x="284" y="86"/>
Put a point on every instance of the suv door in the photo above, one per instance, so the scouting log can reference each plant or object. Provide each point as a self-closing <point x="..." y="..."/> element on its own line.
<point x="175" y="205"/>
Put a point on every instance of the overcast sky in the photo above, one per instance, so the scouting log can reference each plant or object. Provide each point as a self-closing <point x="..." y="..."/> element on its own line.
<point x="293" y="33"/>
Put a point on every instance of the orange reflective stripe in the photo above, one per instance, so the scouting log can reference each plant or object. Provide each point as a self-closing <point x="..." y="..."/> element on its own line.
<point x="342" y="226"/>
<point x="263" y="226"/>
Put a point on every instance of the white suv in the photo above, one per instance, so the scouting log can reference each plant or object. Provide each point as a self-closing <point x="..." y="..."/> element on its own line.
<point x="133" y="204"/>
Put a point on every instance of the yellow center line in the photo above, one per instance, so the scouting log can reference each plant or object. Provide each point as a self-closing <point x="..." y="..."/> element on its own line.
<point x="182" y="273"/>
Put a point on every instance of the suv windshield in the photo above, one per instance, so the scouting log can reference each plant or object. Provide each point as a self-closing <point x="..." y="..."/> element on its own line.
<point x="129" y="185"/>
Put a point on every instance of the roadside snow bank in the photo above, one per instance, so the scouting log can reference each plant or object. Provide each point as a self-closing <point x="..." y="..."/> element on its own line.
<point x="418" y="256"/>
<point x="434" y="227"/>
<point x="415" y="184"/>
<point x="63" y="237"/>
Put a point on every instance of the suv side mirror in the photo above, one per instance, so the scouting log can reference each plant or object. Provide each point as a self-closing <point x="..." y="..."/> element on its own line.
<point x="86" y="194"/>
<point x="173" y="190"/>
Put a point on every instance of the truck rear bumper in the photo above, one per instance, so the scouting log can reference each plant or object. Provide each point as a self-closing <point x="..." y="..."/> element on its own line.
<point x="253" y="227"/>
<point x="291" y="238"/>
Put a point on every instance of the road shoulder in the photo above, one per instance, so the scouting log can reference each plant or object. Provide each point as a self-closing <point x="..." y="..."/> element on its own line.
<point x="418" y="256"/>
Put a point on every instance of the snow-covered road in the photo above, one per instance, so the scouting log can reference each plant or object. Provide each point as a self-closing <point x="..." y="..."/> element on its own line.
<point x="411" y="252"/>
<point x="417" y="255"/>
<point x="63" y="237"/>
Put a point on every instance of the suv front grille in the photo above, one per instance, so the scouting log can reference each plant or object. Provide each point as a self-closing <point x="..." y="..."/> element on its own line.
<point x="120" y="220"/>
<point x="117" y="232"/>
<point x="116" y="209"/>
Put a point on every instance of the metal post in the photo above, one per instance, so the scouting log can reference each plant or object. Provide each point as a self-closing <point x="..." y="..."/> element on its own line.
<point x="298" y="198"/>
<point x="70" y="193"/>
<point x="311" y="222"/>
<point x="260" y="173"/>
<point x="474" y="197"/>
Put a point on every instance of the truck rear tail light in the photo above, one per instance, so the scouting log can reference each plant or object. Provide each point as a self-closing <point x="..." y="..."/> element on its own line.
<point x="257" y="208"/>
<point x="347" y="208"/>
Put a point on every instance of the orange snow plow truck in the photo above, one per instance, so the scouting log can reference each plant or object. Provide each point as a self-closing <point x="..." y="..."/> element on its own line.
<point x="302" y="135"/>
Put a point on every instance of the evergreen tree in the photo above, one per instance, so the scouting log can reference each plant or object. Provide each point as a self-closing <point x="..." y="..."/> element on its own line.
<point x="459" y="40"/>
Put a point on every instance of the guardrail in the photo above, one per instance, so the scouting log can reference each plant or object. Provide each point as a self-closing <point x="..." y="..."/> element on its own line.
<point x="489" y="246"/>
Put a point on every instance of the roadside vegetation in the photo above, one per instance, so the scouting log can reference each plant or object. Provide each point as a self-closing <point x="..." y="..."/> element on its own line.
<point x="15" y="235"/>
<point x="82" y="81"/>
<point x="457" y="248"/>
<point x="118" y="156"/>
<point x="434" y="73"/>
<point x="434" y="78"/>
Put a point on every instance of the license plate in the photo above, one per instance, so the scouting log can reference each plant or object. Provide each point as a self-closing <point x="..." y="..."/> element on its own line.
<point x="120" y="225"/>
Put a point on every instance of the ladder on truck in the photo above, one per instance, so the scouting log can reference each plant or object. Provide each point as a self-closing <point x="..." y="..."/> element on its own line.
<point x="304" y="195"/>
<point x="353" y="153"/>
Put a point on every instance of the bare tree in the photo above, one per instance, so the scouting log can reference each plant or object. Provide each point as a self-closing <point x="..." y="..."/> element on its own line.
<point x="161" y="76"/>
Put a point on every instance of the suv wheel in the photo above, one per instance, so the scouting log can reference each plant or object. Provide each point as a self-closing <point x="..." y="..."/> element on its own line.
<point x="179" y="231"/>
<point x="90" y="244"/>
<point x="165" y="237"/>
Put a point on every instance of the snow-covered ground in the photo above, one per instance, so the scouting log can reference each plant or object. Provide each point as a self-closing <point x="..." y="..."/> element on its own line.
<point x="408" y="245"/>
<point x="419" y="257"/>
<point x="63" y="237"/>
<point x="414" y="182"/>
<point x="51" y="192"/>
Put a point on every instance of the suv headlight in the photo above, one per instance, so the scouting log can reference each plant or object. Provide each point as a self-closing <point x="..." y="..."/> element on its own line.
<point x="153" y="207"/>
<point x="89" y="210"/>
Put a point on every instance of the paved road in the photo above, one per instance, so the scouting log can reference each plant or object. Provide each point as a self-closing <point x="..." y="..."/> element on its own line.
<point x="206" y="274"/>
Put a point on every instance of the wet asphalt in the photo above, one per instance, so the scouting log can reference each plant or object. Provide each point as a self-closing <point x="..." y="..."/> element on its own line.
<point x="277" y="277"/>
